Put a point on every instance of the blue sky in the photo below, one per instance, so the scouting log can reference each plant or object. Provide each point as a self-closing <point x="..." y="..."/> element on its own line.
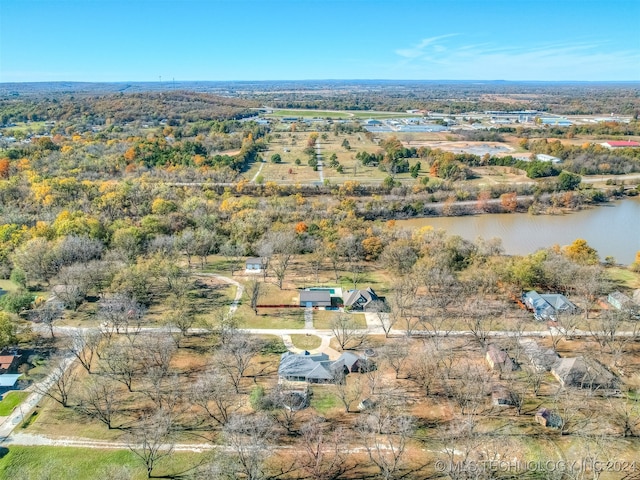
<point x="143" y="40"/>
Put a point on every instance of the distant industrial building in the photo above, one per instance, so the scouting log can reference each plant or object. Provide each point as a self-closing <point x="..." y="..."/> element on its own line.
<point x="621" y="144"/>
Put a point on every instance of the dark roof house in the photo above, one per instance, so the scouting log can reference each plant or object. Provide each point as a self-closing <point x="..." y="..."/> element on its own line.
<point x="581" y="372"/>
<point x="315" y="298"/>
<point x="360" y="299"/>
<point x="547" y="306"/>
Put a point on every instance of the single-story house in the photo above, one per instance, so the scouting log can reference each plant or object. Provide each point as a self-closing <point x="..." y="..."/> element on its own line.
<point x="315" y="298"/>
<point x="542" y="360"/>
<point x="352" y="363"/>
<point x="8" y="382"/>
<point x="620" y="301"/>
<point x="8" y="363"/>
<point x="547" y="306"/>
<point x="361" y="300"/>
<point x="549" y="419"/>
<point x="501" y="396"/>
<point x="254" y="265"/>
<point x="317" y="368"/>
<point x="499" y="359"/>
<point x="305" y="367"/>
<point x="581" y="372"/>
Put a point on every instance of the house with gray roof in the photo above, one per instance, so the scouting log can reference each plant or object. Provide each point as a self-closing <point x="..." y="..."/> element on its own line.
<point x="361" y="300"/>
<point x="317" y="368"/>
<point x="305" y="367"/>
<point x="581" y="372"/>
<point x="548" y="306"/>
<point x="315" y="298"/>
<point x="541" y="360"/>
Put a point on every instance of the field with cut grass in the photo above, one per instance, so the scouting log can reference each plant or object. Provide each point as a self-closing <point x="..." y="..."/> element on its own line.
<point x="10" y="401"/>
<point x="18" y="462"/>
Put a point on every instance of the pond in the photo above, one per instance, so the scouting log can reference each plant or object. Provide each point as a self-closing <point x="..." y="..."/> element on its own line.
<point x="612" y="229"/>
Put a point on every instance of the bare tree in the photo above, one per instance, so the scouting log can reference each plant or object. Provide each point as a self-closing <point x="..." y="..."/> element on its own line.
<point x="248" y="439"/>
<point x="122" y="363"/>
<point x="121" y="313"/>
<point x="322" y="455"/>
<point x="385" y="441"/>
<point x="425" y="369"/>
<point x="235" y="357"/>
<point x="396" y="354"/>
<point x="84" y="346"/>
<point x="233" y="253"/>
<point x="151" y="440"/>
<point x="60" y="384"/>
<point x="48" y="313"/>
<point x="254" y="291"/>
<point x="100" y="401"/>
<point x="347" y="332"/>
<point x="381" y="311"/>
<point x="284" y="247"/>
<point x="348" y="388"/>
<point x="214" y="393"/>
<point x="470" y="387"/>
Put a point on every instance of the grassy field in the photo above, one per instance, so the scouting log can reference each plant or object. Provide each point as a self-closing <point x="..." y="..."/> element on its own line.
<point x="623" y="277"/>
<point x="10" y="401"/>
<point x="87" y="463"/>
<point x="8" y="285"/>
<point x="306" y="342"/>
<point x="323" y="400"/>
<point x="322" y="319"/>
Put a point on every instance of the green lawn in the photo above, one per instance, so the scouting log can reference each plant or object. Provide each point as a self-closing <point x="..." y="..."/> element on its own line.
<point x="322" y="319"/>
<point x="8" y="285"/>
<point x="323" y="399"/>
<point x="621" y="277"/>
<point x="306" y="342"/>
<point x="86" y="463"/>
<point x="11" y="400"/>
<point x="270" y="318"/>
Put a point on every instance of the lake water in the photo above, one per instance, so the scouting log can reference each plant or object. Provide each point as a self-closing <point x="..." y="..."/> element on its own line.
<point x="612" y="229"/>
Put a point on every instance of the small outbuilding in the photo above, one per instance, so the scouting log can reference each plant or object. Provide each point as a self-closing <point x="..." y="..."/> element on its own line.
<point x="501" y="396"/>
<point x="499" y="359"/>
<point x="254" y="265"/>
<point x="549" y="419"/>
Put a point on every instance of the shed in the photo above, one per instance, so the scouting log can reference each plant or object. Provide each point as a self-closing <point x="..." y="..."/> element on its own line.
<point x="501" y="396"/>
<point x="499" y="359"/>
<point x="315" y="298"/>
<point x="254" y="265"/>
<point x="620" y="301"/>
<point x="549" y="419"/>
